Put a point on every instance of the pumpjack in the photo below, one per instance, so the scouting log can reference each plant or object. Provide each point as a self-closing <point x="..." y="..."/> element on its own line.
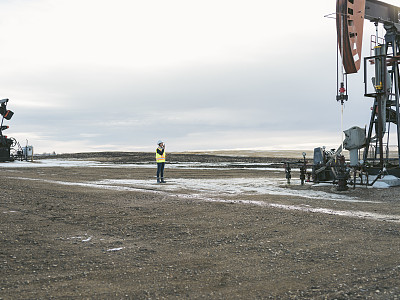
<point x="350" y="15"/>
<point x="381" y="83"/>
<point x="7" y="144"/>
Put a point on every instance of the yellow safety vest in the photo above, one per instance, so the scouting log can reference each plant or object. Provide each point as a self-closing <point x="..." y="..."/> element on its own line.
<point x="160" y="158"/>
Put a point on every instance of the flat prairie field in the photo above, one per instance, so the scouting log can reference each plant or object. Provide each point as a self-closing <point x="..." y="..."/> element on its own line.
<point x="97" y="225"/>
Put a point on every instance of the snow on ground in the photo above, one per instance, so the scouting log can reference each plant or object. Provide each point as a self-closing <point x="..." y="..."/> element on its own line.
<point x="212" y="194"/>
<point x="213" y="190"/>
<point x="231" y="186"/>
<point x="47" y="163"/>
<point x="385" y="182"/>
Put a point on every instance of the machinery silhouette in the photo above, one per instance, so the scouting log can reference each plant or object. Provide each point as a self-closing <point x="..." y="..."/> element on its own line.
<point x="381" y="83"/>
<point x="10" y="149"/>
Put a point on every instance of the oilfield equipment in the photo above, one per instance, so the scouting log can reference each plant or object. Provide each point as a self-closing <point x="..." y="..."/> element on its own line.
<point x="10" y="149"/>
<point x="368" y="147"/>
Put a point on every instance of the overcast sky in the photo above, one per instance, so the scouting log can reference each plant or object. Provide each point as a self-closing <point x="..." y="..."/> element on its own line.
<point x="96" y="75"/>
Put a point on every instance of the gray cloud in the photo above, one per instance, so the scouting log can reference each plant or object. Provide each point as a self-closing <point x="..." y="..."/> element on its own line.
<point x="285" y="87"/>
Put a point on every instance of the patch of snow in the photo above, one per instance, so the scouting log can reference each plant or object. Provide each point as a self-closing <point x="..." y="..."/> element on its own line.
<point x="210" y="189"/>
<point x="87" y="240"/>
<point x="304" y="208"/>
<point x="48" y="163"/>
<point x="216" y="190"/>
<point x="385" y="182"/>
<point x="232" y="186"/>
<point x="115" y="249"/>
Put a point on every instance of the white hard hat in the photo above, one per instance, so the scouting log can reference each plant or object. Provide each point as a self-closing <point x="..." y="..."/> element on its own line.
<point x="159" y="142"/>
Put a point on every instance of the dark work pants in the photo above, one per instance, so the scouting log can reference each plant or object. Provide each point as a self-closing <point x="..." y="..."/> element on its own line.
<point x="160" y="169"/>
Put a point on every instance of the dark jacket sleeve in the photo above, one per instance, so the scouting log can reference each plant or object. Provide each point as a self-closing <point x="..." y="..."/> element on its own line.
<point x="161" y="152"/>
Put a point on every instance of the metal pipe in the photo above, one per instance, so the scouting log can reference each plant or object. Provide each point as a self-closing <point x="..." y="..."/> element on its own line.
<point x="342" y="78"/>
<point x="341" y="45"/>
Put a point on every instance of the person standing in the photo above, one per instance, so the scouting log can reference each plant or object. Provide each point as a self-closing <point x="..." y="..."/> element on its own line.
<point x="160" y="158"/>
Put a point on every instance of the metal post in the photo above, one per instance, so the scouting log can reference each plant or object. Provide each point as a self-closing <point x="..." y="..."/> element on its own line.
<point x="396" y="87"/>
<point x="380" y="129"/>
<point x="369" y="135"/>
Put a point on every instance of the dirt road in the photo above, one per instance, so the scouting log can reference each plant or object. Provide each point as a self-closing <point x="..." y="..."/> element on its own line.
<point x="221" y="228"/>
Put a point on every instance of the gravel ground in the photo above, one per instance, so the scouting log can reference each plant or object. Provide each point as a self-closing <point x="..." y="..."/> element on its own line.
<point x="62" y="238"/>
